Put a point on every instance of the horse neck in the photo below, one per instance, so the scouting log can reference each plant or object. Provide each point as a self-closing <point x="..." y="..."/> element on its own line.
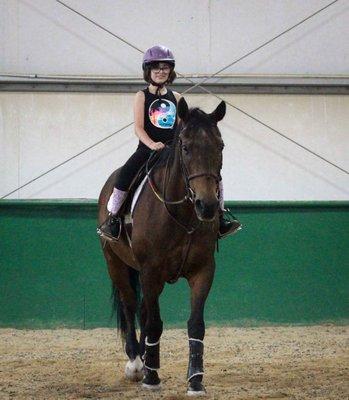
<point x="175" y="185"/>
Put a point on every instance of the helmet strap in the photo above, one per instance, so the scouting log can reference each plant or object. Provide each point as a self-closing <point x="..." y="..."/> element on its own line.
<point x="159" y="87"/>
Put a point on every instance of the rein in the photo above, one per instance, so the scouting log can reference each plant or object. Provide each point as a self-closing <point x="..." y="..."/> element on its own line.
<point x="189" y="196"/>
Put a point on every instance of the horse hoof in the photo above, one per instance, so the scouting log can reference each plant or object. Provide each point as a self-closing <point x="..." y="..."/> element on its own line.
<point x="152" y="387"/>
<point x="151" y="380"/>
<point x="196" y="389"/>
<point x="134" y="370"/>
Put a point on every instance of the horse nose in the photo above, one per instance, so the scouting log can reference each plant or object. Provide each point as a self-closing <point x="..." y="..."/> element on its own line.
<point x="206" y="211"/>
<point x="199" y="205"/>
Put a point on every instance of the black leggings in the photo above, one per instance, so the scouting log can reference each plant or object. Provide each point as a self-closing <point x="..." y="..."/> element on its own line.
<point x="129" y="170"/>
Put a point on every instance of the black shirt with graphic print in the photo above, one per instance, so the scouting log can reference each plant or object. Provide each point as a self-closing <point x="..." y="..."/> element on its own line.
<point x="160" y="115"/>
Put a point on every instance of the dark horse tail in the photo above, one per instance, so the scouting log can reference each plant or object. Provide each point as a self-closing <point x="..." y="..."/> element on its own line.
<point x="117" y="303"/>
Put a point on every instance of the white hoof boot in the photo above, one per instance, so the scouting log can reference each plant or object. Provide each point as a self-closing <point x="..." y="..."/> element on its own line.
<point x="134" y="369"/>
<point x="151" y="387"/>
<point x="196" y="393"/>
<point x="196" y="389"/>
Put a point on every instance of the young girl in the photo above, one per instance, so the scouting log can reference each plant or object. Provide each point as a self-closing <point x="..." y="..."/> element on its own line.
<point x="155" y="118"/>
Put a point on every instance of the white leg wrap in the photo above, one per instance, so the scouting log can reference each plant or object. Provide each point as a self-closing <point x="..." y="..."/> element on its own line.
<point x="151" y="355"/>
<point x="191" y="376"/>
<point x="116" y="200"/>
<point x="151" y="369"/>
<point x="197" y="340"/>
<point x="151" y="344"/>
<point x="196" y="352"/>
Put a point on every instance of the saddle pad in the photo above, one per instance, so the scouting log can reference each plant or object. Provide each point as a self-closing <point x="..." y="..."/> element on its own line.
<point x="137" y="193"/>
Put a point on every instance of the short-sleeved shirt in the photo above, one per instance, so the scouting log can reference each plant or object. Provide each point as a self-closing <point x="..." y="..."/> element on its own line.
<point x="160" y="115"/>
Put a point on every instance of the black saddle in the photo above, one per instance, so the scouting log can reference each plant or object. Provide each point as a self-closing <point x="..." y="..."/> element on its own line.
<point x="126" y="207"/>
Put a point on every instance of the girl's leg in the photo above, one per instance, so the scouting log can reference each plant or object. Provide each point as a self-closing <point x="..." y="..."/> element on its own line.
<point x="127" y="173"/>
<point x="116" y="200"/>
<point x="111" y="228"/>
<point x="226" y="226"/>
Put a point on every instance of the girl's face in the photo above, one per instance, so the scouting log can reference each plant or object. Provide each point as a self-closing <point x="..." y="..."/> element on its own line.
<point x="160" y="72"/>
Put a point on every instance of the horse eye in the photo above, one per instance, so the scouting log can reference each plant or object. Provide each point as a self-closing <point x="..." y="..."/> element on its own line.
<point x="185" y="149"/>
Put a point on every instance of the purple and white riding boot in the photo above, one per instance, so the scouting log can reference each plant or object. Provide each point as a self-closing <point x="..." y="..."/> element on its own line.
<point x="111" y="228"/>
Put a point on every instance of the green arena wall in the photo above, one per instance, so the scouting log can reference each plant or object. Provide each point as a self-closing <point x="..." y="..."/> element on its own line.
<point x="289" y="265"/>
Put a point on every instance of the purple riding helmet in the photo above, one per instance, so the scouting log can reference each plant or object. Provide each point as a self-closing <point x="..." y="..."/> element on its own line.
<point x="157" y="54"/>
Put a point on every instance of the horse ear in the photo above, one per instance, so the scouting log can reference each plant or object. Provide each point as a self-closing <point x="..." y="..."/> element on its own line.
<point x="183" y="110"/>
<point x="219" y="113"/>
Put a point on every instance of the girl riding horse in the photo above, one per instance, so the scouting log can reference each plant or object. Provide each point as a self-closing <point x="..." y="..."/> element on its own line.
<point x="155" y="117"/>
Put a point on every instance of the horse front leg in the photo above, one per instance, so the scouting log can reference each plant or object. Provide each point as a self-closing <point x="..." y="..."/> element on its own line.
<point x="143" y="321"/>
<point x="152" y="330"/>
<point x="200" y="285"/>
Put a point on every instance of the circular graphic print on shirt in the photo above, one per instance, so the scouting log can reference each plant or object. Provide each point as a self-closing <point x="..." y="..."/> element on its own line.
<point x="162" y="113"/>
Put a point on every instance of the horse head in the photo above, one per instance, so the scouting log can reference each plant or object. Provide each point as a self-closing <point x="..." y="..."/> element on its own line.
<point x="200" y="147"/>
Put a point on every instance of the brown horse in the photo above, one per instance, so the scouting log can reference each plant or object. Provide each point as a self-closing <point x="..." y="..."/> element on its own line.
<point x="175" y="225"/>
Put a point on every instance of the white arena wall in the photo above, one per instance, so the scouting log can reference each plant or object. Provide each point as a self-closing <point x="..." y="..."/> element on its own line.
<point x="44" y="37"/>
<point x="41" y="39"/>
<point x="40" y="130"/>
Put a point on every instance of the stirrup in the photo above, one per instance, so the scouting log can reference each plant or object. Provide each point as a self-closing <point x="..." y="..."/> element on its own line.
<point x="230" y="219"/>
<point x="108" y="230"/>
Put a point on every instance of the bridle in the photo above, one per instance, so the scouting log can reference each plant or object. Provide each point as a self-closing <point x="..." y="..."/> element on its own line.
<point x="190" y="193"/>
<point x="188" y="177"/>
<point x="188" y="197"/>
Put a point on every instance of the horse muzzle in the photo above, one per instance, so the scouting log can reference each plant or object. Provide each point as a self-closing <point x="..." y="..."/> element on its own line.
<point x="205" y="211"/>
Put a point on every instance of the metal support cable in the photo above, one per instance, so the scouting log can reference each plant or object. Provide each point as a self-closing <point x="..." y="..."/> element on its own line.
<point x="194" y="86"/>
<point x="278" y="132"/>
<point x="260" y="47"/>
<point x="100" y="26"/>
<point x="199" y="84"/>
<point x="222" y="69"/>
<point x="66" y="161"/>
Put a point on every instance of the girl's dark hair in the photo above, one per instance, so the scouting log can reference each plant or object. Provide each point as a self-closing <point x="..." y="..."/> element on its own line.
<point x="147" y="70"/>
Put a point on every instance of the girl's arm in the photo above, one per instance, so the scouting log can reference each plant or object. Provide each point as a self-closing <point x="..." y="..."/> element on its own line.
<point x="138" y="109"/>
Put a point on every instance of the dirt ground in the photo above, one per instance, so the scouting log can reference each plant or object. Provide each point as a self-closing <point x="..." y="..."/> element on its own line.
<point x="240" y="363"/>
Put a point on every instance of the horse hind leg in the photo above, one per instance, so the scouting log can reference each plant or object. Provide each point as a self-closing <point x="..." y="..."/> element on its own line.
<point x="125" y="295"/>
<point x="126" y="324"/>
<point x="134" y="369"/>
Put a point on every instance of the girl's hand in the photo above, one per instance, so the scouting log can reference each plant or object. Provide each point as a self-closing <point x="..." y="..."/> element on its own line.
<point x="157" y="146"/>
